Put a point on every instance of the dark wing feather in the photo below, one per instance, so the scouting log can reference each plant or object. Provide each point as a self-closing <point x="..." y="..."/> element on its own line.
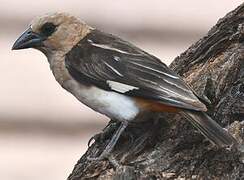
<point x="100" y="58"/>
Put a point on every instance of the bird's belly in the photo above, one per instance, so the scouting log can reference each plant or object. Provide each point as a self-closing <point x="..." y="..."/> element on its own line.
<point x="109" y="103"/>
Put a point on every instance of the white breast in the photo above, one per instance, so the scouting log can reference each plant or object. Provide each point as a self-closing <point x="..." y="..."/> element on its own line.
<point x="112" y="104"/>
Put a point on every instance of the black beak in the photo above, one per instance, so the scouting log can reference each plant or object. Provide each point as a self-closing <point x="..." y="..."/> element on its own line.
<point x="28" y="39"/>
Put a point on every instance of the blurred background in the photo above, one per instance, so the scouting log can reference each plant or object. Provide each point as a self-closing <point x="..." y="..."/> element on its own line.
<point x="43" y="129"/>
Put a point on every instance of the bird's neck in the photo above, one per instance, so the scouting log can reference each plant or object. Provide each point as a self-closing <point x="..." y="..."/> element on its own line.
<point x="57" y="66"/>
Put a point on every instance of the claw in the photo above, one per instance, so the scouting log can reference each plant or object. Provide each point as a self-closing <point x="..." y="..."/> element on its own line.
<point x="90" y="140"/>
<point x="95" y="138"/>
<point x="107" y="151"/>
<point x="101" y="136"/>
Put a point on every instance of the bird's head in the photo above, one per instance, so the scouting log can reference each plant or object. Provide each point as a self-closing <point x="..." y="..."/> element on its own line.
<point x="53" y="33"/>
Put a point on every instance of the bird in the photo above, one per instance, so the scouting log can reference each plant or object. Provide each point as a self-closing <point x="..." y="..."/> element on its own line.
<point x="114" y="77"/>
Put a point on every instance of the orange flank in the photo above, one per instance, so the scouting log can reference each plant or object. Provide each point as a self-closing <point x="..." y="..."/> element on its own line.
<point x="155" y="106"/>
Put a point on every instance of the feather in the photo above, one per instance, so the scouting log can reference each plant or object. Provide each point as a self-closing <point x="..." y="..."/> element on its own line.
<point x="209" y="128"/>
<point x="110" y="63"/>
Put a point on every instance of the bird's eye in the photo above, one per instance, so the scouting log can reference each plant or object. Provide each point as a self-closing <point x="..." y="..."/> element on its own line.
<point x="47" y="29"/>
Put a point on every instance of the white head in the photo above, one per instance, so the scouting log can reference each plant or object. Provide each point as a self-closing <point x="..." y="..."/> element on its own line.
<point x="53" y="32"/>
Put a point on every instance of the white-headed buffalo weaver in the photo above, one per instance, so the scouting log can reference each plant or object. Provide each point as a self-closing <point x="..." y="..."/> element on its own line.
<point x="114" y="77"/>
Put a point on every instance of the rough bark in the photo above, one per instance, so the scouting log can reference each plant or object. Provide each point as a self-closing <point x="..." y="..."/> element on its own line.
<point x="169" y="147"/>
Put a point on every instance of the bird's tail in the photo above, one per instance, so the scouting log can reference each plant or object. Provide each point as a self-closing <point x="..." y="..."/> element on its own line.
<point x="209" y="128"/>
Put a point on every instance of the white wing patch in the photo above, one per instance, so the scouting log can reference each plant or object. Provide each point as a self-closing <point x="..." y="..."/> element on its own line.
<point x="120" y="87"/>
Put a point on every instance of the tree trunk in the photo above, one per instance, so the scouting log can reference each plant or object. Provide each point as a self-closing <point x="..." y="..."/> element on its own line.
<point x="168" y="147"/>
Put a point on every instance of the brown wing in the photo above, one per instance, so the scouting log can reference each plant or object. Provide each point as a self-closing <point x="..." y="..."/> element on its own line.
<point x="112" y="64"/>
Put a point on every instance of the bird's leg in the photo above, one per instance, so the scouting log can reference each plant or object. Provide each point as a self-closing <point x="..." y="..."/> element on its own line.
<point x="100" y="137"/>
<point x="106" y="152"/>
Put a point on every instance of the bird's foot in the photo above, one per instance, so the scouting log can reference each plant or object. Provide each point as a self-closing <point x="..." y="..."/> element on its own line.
<point x="101" y="137"/>
<point x="106" y="154"/>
